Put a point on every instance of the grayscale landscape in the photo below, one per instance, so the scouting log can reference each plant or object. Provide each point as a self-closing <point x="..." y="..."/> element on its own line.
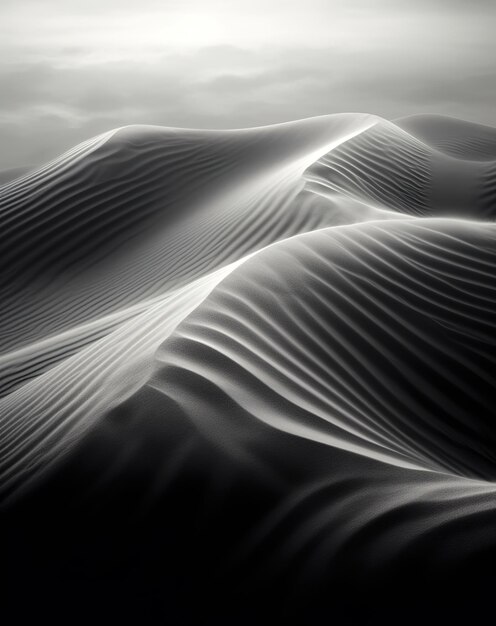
<point x="247" y="334"/>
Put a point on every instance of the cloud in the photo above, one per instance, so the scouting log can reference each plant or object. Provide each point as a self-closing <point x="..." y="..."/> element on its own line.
<point x="60" y="83"/>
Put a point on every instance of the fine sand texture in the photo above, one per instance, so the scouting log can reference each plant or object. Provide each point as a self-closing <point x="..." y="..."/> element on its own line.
<point x="249" y="376"/>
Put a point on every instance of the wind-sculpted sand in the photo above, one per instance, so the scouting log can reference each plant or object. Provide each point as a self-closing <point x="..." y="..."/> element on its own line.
<point x="248" y="376"/>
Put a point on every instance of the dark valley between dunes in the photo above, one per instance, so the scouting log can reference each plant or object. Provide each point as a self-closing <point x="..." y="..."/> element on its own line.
<point x="249" y="376"/>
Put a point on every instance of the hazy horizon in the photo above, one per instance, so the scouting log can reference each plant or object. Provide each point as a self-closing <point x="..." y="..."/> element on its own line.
<point x="70" y="72"/>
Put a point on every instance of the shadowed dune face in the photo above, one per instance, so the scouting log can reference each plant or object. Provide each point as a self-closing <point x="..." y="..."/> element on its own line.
<point x="258" y="360"/>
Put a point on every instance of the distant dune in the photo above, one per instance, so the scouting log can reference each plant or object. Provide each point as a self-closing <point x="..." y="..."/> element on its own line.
<point x="464" y="140"/>
<point x="250" y="374"/>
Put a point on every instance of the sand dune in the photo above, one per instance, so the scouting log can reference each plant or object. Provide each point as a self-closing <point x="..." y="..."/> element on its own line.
<point x="463" y="140"/>
<point x="257" y="360"/>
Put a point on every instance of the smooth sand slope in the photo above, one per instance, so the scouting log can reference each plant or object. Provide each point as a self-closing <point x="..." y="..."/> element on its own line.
<point x="249" y="368"/>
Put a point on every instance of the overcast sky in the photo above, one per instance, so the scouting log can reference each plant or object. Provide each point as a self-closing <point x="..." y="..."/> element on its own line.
<point x="70" y="69"/>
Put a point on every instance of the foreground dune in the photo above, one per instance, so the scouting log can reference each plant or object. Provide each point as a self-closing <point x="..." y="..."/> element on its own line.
<point x="254" y="363"/>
